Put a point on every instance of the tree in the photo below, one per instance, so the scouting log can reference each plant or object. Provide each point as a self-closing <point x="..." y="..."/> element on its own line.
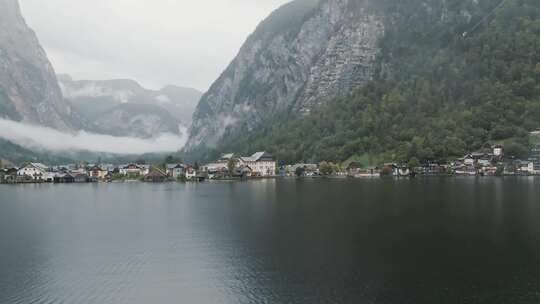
<point x="169" y="159"/>
<point x="326" y="168"/>
<point x="231" y="166"/>
<point x="413" y="163"/>
<point x="516" y="149"/>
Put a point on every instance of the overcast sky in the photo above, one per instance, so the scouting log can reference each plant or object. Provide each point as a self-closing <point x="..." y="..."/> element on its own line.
<point x="156" y="42"/>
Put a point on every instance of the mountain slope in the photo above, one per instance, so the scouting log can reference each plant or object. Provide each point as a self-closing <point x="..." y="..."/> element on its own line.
<point x="123" y="107"/>
<point x="29" y="90"/>
<point x="304" y="54"/>
<point x="444" y="85"/>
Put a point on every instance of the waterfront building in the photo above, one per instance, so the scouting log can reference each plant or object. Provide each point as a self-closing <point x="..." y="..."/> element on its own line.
<point x="260" y="163"/>
<point x="156" y="175"/>
<point x="97" y="172"/>
<point x="175" y="170"/>
<point x="32" y="172"/>
<point x="535" y="158"/>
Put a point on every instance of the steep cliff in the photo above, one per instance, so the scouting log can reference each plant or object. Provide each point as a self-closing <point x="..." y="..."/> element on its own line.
<point x="451" y="77"/>
<point x="29" y="91"/>
<point x="304" y="54"/>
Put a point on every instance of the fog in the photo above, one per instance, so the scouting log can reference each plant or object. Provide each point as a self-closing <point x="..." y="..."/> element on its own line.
<point x="158" y="42"/>
<point x="35" y="137"/>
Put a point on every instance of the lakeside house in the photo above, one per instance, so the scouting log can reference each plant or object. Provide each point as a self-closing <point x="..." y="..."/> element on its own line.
<point x="33" y="172"/>
<point x="535" y="158"/>
<point x="190" y="173"/>
<point x="81" y="178"/>
<point x="98" y="173"/>
<point x="156" y="175"/>
<point x="524" y="167"/>
<point x="134" y="170"/>
<point x="64" y="178"/>
<point x="175" y="171"/>
<point x="354" y="168"/>
<point x="261" y="164"/>
<point x="302" y="169"/>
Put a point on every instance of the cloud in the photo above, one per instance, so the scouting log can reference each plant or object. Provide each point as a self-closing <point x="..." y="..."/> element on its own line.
<point x="35" y="137"/>
<point x="156" y="42"/>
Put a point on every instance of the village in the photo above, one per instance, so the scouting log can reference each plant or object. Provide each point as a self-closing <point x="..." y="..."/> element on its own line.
<point x="264" y="165"/>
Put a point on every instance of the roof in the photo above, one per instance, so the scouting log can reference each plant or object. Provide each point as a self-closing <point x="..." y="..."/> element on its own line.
<point x="174" y="166"/>
<point x="154" y="171"/>
<point x="354" y="164"/>
<point x="258" y="156"/>
<point x="131" y="165"/>
<point x="227" y="156"/>
<point x="38" y="166"/>
<point x="64" y="175"/>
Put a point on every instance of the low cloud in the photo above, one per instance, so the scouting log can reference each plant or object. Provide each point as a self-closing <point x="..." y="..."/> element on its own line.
<point x="36" y="137"/>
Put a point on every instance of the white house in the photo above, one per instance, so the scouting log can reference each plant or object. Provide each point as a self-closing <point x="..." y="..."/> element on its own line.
<point x="134" y="170"/>
<point x="497" y="151"/>
<point x="468" y="160"/>
<point x="260" y="163"/>
<point x="190" y="173"/>
<point x="34" y="171"/>
<point x="526" y="167"/>
<point x="175" y="170"/>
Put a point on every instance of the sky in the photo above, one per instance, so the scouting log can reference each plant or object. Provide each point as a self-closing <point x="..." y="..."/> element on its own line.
<point x="156" y="42"/>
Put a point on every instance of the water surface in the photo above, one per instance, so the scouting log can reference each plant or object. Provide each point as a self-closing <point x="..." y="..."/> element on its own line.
<point x="447" y="240"/>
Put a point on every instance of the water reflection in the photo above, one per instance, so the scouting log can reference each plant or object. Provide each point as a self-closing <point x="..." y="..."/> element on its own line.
<point x="448" y="240"/>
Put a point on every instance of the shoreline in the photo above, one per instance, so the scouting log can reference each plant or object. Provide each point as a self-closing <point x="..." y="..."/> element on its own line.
<point x="342" y="178"/>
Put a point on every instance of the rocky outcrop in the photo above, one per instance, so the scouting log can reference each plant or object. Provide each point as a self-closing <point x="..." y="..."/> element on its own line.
<point x="304" y="54"/>
<point x="29" y="91"/>
<point x="123" y="107"/>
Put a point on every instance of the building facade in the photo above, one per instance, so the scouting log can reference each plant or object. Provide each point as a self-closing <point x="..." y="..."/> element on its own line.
<point x="33" y="171"/>
<point x="260" y="163"/>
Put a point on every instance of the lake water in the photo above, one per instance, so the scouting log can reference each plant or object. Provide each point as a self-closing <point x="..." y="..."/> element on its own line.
<point x="438" y="240"/>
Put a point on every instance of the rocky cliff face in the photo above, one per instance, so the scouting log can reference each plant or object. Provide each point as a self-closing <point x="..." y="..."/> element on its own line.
<point x="306" y="53"/>
<point x="123" y="107"/>
<point x="29" y="91"/>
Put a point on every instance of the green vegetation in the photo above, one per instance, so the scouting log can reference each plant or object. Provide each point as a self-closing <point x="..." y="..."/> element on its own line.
<point x="18" y="155"/>
<point x="436" y="94"/>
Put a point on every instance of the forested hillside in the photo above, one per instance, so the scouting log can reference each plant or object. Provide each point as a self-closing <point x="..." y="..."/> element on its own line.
<point x="452" y="77"/>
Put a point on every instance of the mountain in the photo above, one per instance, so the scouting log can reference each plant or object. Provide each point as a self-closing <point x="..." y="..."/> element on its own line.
<point x="303" y="54"/>
<point x="123" y="107"/>
<point x="393" y="80"/>
<point x="29" y="91"/>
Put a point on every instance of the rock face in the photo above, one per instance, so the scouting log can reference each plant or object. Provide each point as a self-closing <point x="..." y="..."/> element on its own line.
<point x="29" y="91"/>
<point x="306" y="53"/>
<point x="123" y="107"/>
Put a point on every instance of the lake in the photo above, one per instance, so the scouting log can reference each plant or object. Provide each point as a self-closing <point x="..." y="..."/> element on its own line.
<point x="432" y="240"/>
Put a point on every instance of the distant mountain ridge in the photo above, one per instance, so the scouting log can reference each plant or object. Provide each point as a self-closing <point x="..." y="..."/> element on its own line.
<point x="122" y="107"/>
<point x="29" y="91"/>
